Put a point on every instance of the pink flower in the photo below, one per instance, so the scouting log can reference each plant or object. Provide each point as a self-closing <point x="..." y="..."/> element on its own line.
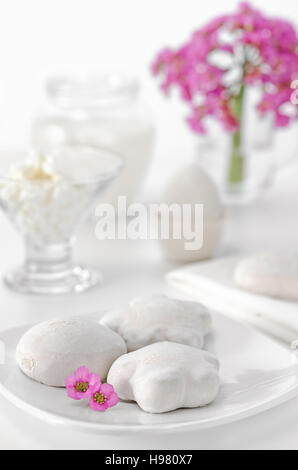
<point x="81" y="384"/>
<point x="163" y="58"/>
<point x="269" y="60"/>
<point x="281" y="120"/>
<point x="195" y="121"/>
<point x="205" y="78"/>
<point x="103" y="397"/>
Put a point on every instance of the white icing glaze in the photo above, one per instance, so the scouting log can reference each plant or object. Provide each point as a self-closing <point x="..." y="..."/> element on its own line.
<point x="166" y="376"/>
<point x="51" y="351"/>
<point x="269" y="274"/>
<point x="158" y="318"/>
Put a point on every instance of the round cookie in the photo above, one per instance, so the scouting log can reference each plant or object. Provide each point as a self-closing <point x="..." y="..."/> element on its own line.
<point x="149" y="320"/>
<point x="166" y="376"/>
<point x="269" y="274"/>
<point x="51" y="351"/>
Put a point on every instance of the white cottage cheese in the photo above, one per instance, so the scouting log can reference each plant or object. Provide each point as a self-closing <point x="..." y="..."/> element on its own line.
<point x="42" y="203"/>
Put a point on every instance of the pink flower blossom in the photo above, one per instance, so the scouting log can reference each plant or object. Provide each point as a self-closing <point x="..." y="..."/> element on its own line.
<point x="269" y="60"/>
<point x="215" y="24"/>
<point x="162" y="59"/>
<point x="103" y="397"/>
<point x="204" y="78"/>
<point x="81" y="384"/>
<point x="281" y="120"/>
<point x="274" y="101"/>
<point x="195" y="120"/>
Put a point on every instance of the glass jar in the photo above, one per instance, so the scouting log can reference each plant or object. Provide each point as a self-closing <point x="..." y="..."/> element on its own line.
<point x="102" y="111"/>
<point x="239" y="180"/>
<point x="244" y="167"/>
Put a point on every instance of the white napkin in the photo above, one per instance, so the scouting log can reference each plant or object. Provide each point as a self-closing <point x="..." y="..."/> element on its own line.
<point x="212" y="284"/>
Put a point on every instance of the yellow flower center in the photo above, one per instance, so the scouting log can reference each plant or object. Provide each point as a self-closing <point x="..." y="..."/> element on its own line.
<point x="99" y="398"/>
<point x="82" y="387"/>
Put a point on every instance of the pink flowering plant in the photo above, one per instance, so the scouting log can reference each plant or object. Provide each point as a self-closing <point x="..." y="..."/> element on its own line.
<point x="257" y="50"/>
<point x="85" y="385"/>
<point x="103" y="397"/>
<point x="81" y="383"/>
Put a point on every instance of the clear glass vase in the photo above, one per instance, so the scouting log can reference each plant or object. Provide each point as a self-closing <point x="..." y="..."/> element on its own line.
<point x="242" y="164"/>
<point x="46" y="209"/>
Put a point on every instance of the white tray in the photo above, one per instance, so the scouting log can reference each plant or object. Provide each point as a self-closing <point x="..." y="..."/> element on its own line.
<point x="256" y="374"/>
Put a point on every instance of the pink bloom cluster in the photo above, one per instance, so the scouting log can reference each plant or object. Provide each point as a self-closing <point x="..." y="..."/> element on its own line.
<point x="82" y="384"/>
<point x="266" y="49"/>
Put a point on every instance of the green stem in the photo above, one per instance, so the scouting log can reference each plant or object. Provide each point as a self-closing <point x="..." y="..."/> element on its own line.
<point x="236" y="168"/>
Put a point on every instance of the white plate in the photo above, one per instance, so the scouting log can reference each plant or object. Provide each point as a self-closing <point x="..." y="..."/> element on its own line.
<point x="256" y="374"/>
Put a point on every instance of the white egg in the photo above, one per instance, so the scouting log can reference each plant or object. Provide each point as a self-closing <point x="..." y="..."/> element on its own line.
<point x="166" y="376"/>
<point x="191" y="185"/>
<point x="51" y="351"/>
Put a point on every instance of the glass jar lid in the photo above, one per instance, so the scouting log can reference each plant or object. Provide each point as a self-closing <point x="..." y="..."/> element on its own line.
<point x="87" y="92"/>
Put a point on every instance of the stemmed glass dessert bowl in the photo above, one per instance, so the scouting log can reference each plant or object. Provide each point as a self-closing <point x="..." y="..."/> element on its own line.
<point x="46" y="197"/>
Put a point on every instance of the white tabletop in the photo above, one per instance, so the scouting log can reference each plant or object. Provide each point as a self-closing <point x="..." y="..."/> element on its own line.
<point x="133" y="268"/>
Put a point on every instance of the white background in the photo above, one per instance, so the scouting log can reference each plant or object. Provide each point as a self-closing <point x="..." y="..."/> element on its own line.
<point x="41" y="37"/>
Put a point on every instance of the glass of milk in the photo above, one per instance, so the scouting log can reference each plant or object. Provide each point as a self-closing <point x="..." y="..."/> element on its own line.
<point x="102" y="111"/>
<point x="46" y="196"/>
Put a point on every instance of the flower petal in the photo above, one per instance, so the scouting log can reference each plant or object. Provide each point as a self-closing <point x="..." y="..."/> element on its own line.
<point x="72" y="393"/>
<point x="97" y="407"/>
<point x="94" y="383"/>
<point x="107" y="390"/>
<point x="113" y="400"/>
<point x="70" y="381"/>
<point x="82" y="374"/>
